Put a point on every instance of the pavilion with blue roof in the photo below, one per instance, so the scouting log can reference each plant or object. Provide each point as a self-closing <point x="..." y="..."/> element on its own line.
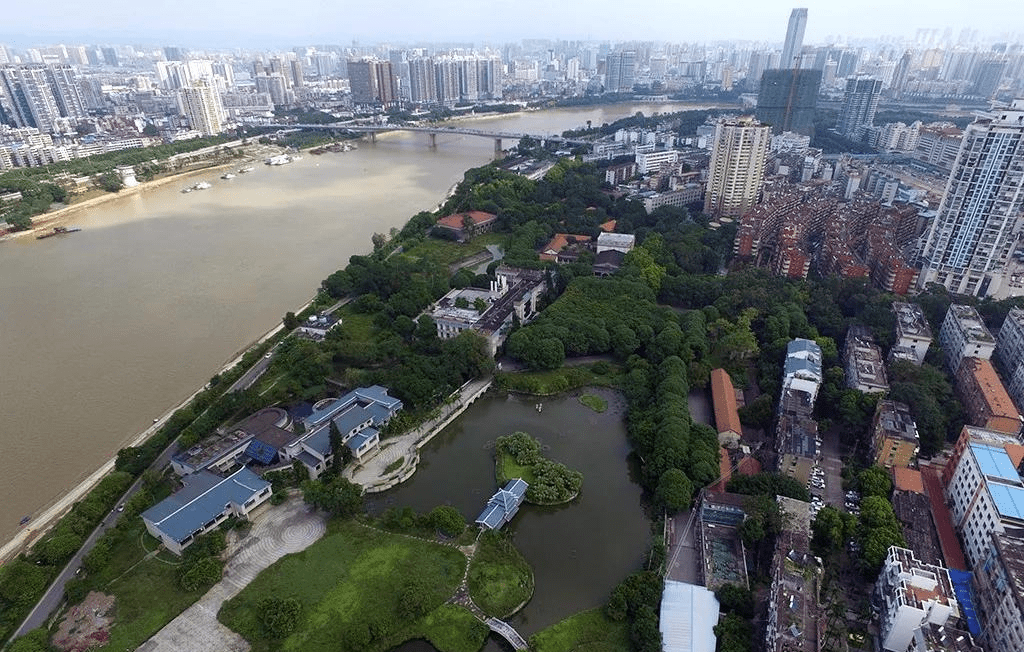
<point x="203" y="503"/>
<point x="503" y="505"/>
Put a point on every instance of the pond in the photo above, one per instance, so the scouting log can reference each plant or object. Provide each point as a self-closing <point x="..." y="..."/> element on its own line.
<point x="579" y="551"/>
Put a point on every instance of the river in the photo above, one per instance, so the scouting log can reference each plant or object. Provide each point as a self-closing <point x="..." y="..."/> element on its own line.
<point x="104" y="330"/>
<point x="578" y="551"/>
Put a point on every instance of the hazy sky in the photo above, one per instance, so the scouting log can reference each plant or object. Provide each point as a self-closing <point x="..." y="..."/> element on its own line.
<point x="284" y="23"/>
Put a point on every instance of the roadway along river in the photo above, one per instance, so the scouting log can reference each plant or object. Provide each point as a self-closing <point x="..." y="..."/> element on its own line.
<point x="104" y="330"/>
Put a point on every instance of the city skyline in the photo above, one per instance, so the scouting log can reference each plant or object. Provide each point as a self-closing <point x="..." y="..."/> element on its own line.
<point x="315" y="22"/>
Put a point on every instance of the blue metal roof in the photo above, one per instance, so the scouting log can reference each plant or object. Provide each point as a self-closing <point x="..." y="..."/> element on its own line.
<point x="492" y="517"/>
<point x="962" y="588"/>
<point x="320" y="441"/>
<point x="308" y="460"/>
<point x="203" y="499"/>
<point x="516" y="486"/>
<point x="994" y="462"/>
<point x="380" y="413"/>
<point x="378" y="394"/>
<point x="262" y="453"/>
<point x="358" y="440"/>
<point x="1009" y="500"/>
<point x="352" y="418"/>
<point x="327" y="412"/>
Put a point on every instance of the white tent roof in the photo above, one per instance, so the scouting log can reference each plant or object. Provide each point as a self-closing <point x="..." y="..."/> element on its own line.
<point x="688" y="616"/>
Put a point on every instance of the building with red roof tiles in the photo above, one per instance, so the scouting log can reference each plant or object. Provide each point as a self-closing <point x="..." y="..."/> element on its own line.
<point x="727" y="416"/>
<point x="559" y="244"/>
<point x="468" y="224"/>
<point x="907" y="479"/>
<point x="985" y="399"/>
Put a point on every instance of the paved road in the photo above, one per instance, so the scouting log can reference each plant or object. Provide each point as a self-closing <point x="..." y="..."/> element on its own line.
<point x="54" y="595"/>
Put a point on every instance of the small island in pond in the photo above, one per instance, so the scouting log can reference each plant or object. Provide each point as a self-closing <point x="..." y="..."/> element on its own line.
<point x="551" y="483"/>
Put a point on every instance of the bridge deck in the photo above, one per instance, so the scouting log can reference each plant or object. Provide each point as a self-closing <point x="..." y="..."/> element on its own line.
<point x="506" y="631"/>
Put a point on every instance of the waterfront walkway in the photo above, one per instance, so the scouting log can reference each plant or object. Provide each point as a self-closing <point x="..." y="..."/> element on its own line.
<point x="376" y="475"/>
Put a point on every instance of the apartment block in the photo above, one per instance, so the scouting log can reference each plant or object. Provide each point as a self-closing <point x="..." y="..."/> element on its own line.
<point x="963" y="335"/>
<point x="1009" y="353"/>
<point x="911" y="593"/>
<point x="999" y="590"/>
<point x="984" y="491"/>
<point x="913" y="334"/>
<point x="984" y="398"/>
<point x="865" y="367"/>
<point x="894" y="437"/>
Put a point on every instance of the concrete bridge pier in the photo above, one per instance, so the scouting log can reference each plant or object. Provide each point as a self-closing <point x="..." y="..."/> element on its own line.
<point x="433" y="140"/>
<point x="373" y="137"/>
<point x="497" y="148"/>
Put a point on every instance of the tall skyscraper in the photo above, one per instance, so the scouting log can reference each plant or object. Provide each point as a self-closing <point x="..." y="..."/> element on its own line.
<point x="201" y="104"/>
<point x="972" y="236"/>
<point x="737" y="166"/>
<point x="372" y="82"/>
<point x="35" y="95"/>
<point x="859" y="105"/>
<point x="988" y="75"/>
<point x="787" y="100"/>
<point x="620" y="71"/>
<point x="422" y="87"/>
<point x="794" y="39"/>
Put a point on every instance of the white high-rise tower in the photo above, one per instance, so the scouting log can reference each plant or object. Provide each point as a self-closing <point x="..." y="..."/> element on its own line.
<point x="201" y="104"/>
<point x="968" y="247"/>
<point x="794" y="39"/>
<point x="737" y="166"/>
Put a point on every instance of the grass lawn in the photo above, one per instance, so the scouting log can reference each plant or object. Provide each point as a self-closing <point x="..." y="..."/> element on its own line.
<point x="594" y="402"/>
<point x="547" y="383"/>
<point x="451" y="628"/>
<point x="356" y="586"/>
<point x="506" y="468"/>
<point x="147" y="592"/>
<point x="500" y="581"/>
<point x="588" y="630"/>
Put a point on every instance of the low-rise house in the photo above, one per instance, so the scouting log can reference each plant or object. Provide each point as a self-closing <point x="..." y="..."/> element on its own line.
<point x="608" y="262"/>
<point x="221" y="453"/>
<point x="913" y="334"/>
<point x="894" y="437"/>
<point x="796" y="622"/>
<point x="963" y="335"/>
<point x="564" y="247"/>
<point x="727" y="416"/>
<point x="865" y="369"/>
<point x="465" y="225"/>
<point x="317" y="326"/>
<point x="623" y="242"/>
<point x="203" y="503"/>
<point x="503" y="505"/>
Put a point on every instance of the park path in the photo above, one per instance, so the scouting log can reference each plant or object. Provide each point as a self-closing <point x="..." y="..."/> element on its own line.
<point x="374" y="474"/>
<point x="277" y="531"/>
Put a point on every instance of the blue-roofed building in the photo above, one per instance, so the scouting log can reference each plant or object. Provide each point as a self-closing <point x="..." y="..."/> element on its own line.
<point x="503" y="505"/>
<point x="984" y="489"/>
<point x="203" y="503"/>
<point x="358" y="415"/>
<point x="801" y="369"/>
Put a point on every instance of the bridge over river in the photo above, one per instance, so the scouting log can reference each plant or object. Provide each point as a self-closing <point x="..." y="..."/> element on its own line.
<point x="432" y="131"/>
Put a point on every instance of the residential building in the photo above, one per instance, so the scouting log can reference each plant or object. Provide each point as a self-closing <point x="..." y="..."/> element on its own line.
<point x="787" y="100"/>
<point x="650" y="162"/>
<point x="792" y="46"/>
<point x="911" y="593"/>
<point x="737" y="166"/>
<point x="967" y="249"/>
<point x="202" y="504"/>
<point x="608" y="262"/>
<point x="372" y="82"/>
<point x="1009" y="353"/>
<point x="894" y="437"/>
<point x="503" y="505"/>
<point x="984" y="398"/>
<point x="46" y="97"/>
<point x="466" y="225"/>
<point x="688" y="616"/>
<point x="565" y="247"/>
<point x="620" y="71"/>
<point x="623" y="242"/>
<point x="963" y="335"/>
<point x="939" y="143"/>
<point x="999" y="590"/>
<point x="796" y="622"/>
<point x="984" y="490"/>
<point x="727" y="416"/>
<point x="859" y="105"/>
<point x="913" y="334"/>
<point x="802" y="367"/>
<point x="317" y="326"/>
<point x="201" y="104"/>
<point x="224" y="453"/>
<point x="865" y="367"/>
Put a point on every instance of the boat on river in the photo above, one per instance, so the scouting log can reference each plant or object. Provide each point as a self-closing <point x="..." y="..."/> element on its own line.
<point x="245" y="170"/>
<point x="25" y="520"/>
<point x="58" y="230"/>
<point x="227" y="175"/>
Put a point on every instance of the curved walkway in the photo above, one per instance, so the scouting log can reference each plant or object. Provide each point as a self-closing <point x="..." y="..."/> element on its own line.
<point x="373" y="475"/>
<point x="276" y="532"/>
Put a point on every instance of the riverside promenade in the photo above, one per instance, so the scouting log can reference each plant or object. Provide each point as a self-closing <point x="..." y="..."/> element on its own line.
<point x="373" y="474"/>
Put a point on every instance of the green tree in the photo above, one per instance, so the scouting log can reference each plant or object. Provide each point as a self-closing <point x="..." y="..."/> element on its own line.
<point x="875" y="481"/>
<point x="448" y="520"/>
<point x="335" y="495"/>
<point x="204" y="572"/>
<point x="828" y="531"/>
<point x="290" y="321"/>
<point x="37" y="640"/>
<point x="110" y="181"/>
<point x="675" y="491"/>
<point x="279" y="616"/>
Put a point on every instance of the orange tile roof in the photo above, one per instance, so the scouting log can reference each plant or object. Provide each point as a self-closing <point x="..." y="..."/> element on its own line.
<point x="608" y="226"/>
<point x="992" y="389"/>
<point x="952" y="553"/>
<point x="455" y="221"/>
<point x="558" y="243"/>
<point x="723" y="395"/>
<point x="907" y="479"/>
<point x="1016" y="453"/>
<point x="748" y="466"/>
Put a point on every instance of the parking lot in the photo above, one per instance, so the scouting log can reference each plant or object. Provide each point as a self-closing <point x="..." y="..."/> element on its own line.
<point x="826" y="478"/>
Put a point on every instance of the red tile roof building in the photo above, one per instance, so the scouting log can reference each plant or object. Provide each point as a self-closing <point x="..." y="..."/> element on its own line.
<point x="984" y="397"/>
<point x="481" y="223"/>
<point x="727" y="416"/>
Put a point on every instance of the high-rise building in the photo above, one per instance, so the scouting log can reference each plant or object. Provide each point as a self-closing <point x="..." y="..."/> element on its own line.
<point x="422" y="87"/>
<point x="174" y="53"/>
<point x="620" y="71"/>
<point x="39" y="96"/>
<point x="972" y="236"/>
<point x="372" y="82"/>
<point x="794" y="39"/>
<point x="787" y="100"/>
<point x="110" y="57"/>
<point x="276" y="86"/>
<point x="987" y="77"/>
<point x="737" y="166"/>
<point x="859" y="105"/>
<point x="201" y="104"/>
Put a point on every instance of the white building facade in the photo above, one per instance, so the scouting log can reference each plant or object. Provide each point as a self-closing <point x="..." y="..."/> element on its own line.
<point x="963" y="335"/>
